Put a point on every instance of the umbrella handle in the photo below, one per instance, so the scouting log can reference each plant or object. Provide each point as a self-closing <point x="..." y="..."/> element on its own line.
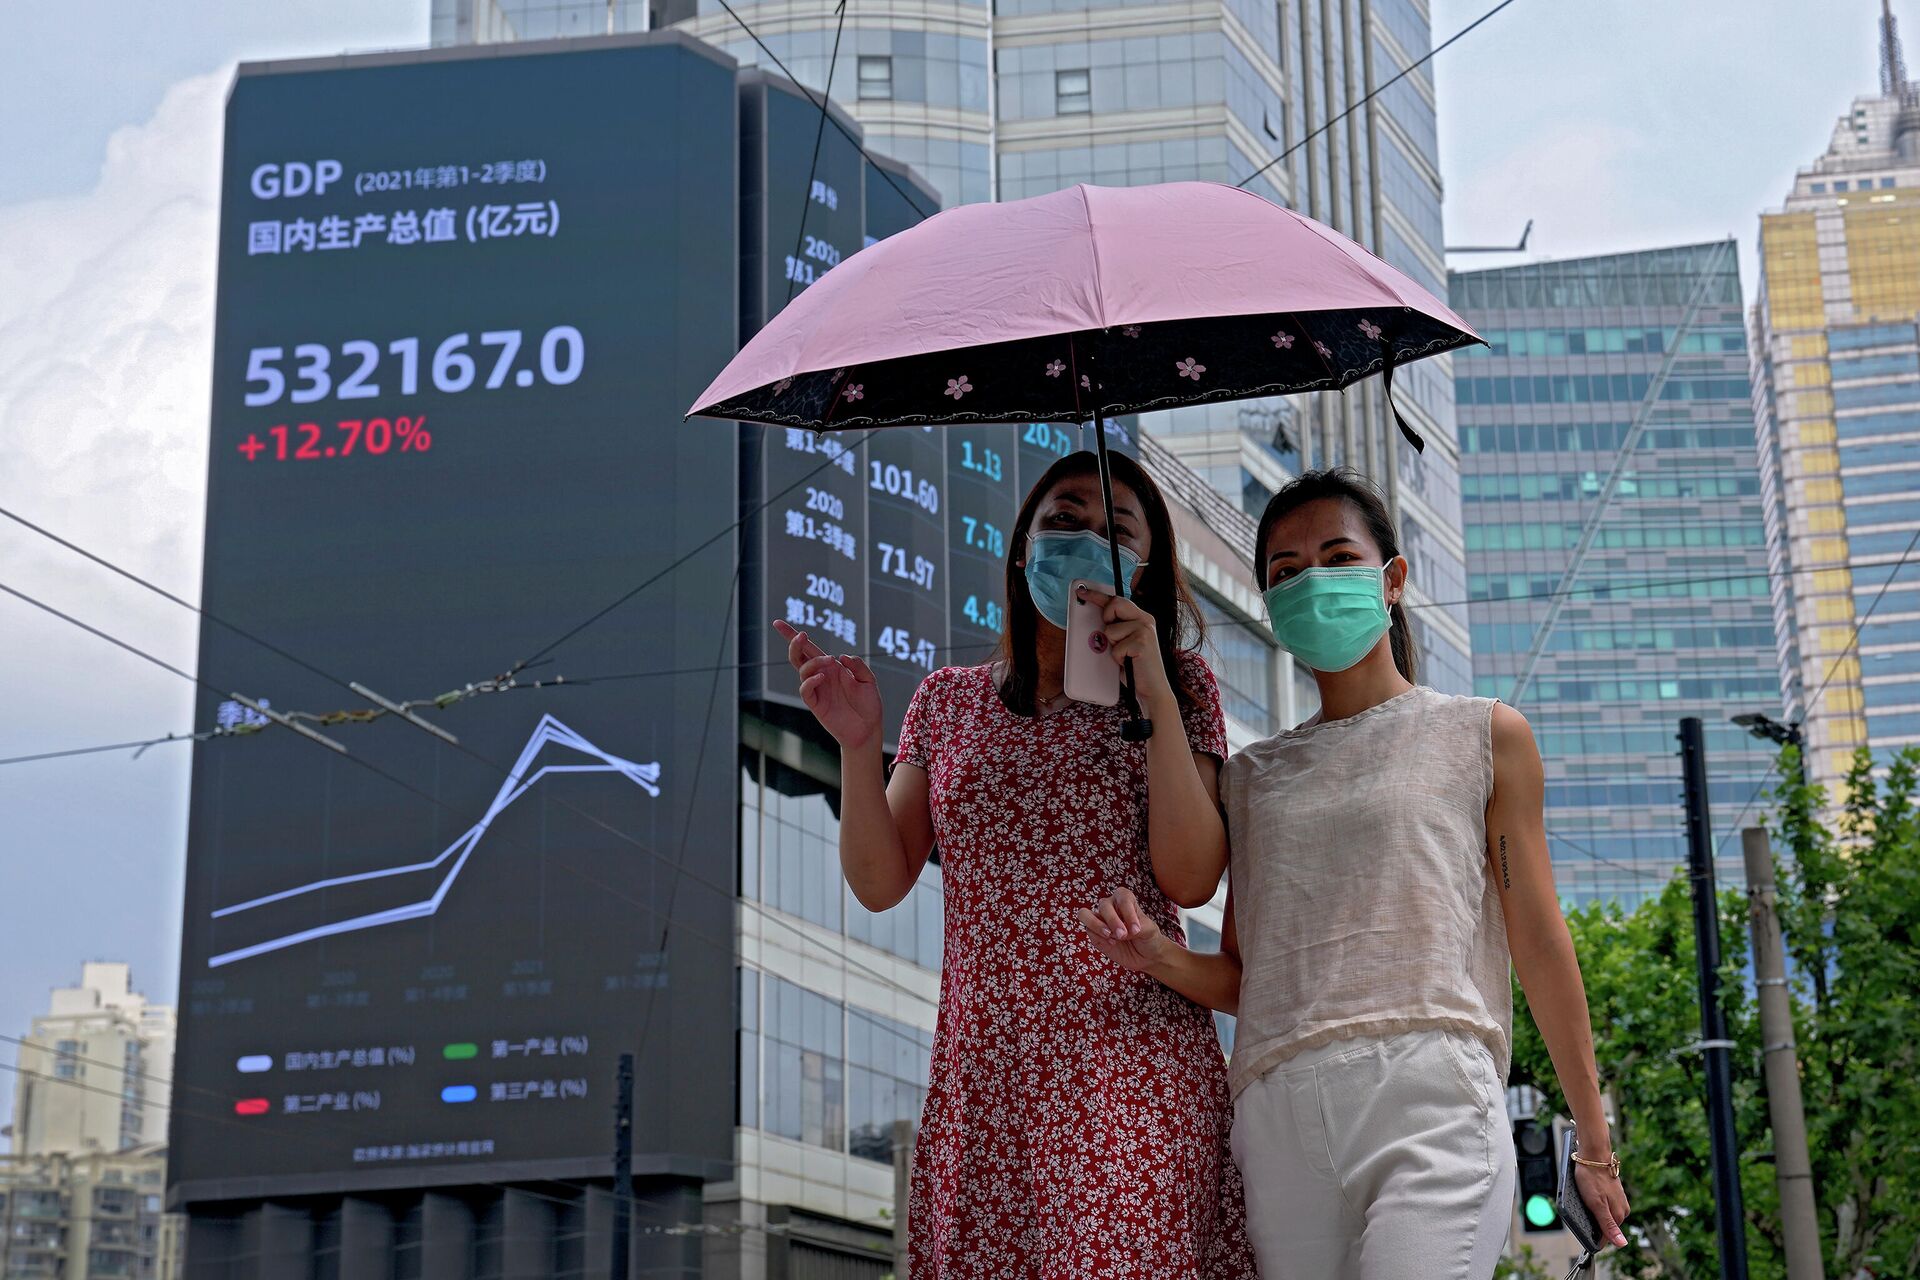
<point x="1136" y="728"/>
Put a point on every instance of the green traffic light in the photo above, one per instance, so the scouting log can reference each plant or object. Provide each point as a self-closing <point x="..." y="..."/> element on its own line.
<point x="1540" y="1211"/>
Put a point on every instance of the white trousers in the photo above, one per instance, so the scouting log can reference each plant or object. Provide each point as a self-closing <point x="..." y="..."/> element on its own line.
<point x="1378" y="1159"/>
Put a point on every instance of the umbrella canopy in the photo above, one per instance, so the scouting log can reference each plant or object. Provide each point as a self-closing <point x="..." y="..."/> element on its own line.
<point x="1088" y="302"/>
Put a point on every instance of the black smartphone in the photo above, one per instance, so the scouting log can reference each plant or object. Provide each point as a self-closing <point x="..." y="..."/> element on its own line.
<point x="1574" y="1214"/>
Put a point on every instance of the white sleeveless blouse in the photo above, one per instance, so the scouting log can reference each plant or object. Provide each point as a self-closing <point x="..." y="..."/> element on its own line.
<point x="1363" y="895"/>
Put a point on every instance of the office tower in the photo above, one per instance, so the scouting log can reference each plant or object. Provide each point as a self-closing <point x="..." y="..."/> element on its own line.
<point x="1616" y="546"/>
<point x="913" y="74"/>
<point x="1836" y="364"/>
<point x="1033" y="95"/>
<point x="95" y="1070"/>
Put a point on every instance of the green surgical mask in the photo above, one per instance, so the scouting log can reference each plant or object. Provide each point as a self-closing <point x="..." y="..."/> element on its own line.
<point x="1330" y="618"/>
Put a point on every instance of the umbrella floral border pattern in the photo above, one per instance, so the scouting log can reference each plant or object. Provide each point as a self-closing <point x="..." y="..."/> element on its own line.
<point x="1135" y="368"/>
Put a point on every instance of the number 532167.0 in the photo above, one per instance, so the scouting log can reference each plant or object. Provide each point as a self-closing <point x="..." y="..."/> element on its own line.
<point x="451" y="369"/>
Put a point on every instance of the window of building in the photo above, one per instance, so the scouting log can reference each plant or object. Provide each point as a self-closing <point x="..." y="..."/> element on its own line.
<point x="1841" y="185"/>
<point x="886" y="1080"/>
<point x="1854" y="337"/>
<point x="1072" y="92"/>
<point x="1306" y="694"/>
<point x="876" y="78"/>
<point x="789" y="844"/>
<point x="911" y="930"/>
<point x="1819" y="188"/>
<point x="804" y="1068"/>
<point x="1888" y="365"/>
<point x="835" y="1075"/>
<point x="66" y="1060"/>
<point x="1885" y="183"/>
<point x="1243" y="667"/>
<point x="789" y="859"/>
<point x="1254" y="494"/>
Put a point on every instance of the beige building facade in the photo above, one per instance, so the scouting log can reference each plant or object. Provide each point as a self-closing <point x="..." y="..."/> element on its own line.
<point x="96" y="1069"/>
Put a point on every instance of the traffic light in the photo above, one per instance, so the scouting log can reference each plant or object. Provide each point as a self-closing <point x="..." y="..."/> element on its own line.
<point x="1539" y="1175"/>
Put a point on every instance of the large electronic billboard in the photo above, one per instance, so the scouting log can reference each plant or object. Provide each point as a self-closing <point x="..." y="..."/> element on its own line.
<point x="464" y="299"/>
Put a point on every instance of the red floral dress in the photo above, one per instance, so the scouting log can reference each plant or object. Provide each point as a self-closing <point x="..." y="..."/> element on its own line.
<point x="1077" y="1114"/>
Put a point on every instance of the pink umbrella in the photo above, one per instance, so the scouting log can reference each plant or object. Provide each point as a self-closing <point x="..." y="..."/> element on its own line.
<point x="1082" y="305"/>
<point x="1087" y="302"/>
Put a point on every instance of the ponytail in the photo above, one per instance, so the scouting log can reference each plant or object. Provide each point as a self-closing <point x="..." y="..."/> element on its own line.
<point x="1405" y="653"/>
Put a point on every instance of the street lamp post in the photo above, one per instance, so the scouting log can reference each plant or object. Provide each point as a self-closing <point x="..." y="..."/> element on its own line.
<point x="1793" y="1166"/>
<point x="1768" y="729"/>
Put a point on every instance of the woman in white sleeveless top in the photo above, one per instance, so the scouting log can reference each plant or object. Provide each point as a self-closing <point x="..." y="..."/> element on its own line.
<point x="1389" y="861"/>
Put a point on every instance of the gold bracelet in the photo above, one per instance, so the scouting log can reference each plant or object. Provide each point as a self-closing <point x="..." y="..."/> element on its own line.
<point x="1611" y="1164"/>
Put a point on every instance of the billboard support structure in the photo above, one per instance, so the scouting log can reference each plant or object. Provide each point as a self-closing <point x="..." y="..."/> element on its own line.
<point x="622" y="1170"/>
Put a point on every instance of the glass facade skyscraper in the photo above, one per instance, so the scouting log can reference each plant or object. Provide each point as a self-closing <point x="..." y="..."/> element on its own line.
<point x="1837" y="371"/>
<point x="914" y="73"/>
<point x="1023" y="97"/>
<point x="1618" y="547"/>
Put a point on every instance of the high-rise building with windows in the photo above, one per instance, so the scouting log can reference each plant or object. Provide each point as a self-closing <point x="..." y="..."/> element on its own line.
<point x="95" y="1070"/>
<point x="1028" y="96"/>
<point x="1617" y="546"/>
<point x="914" y="74"/>
<point x="80" y="1192"/>
<point x="96" y="1215"/>
<point x="1836" y="360"/>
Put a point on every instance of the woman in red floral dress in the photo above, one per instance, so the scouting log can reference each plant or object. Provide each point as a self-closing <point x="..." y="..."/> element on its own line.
<point x="1077" y="1118"/>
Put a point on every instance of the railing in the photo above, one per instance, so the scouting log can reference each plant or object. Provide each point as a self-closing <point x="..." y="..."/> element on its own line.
<point x="22" y="1265"/>
<point x="38" y="1235"/>
<point x="113" y="1204"/>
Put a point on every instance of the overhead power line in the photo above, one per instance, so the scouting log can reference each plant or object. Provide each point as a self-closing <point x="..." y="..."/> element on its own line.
<point x="625" y="837"/>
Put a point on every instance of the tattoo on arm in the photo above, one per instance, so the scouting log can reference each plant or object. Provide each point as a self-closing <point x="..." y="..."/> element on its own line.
<point x="1506" y="877"/>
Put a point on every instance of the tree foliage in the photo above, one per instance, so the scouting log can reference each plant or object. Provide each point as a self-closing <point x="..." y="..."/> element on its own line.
<point x="1849" y="881"/>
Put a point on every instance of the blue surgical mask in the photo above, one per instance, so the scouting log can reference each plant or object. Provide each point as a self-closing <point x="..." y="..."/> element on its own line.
<point x="1330" y="617"/>
<point x="1055" y="560"/>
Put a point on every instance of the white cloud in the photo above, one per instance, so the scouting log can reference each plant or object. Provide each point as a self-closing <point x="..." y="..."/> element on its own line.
<point x="106" y="349"/>
<point x="106" y="333"/>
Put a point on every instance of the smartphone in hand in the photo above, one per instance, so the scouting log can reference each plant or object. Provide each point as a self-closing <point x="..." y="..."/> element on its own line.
<point x="1574" y="1214"/>
<point x="1091" y="674"/>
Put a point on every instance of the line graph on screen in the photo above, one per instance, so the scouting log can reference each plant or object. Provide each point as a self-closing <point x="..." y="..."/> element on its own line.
<point x="550" y="732"/>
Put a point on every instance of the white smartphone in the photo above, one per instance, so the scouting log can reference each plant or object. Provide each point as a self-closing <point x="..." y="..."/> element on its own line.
<point x="1091" y="674"/>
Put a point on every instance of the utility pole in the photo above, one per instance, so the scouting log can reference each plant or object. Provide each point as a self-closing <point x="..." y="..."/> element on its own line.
<point x="1715" y="1047"/>
<point x="903" y="1136"/>
<point x="622" y="1170"/>
<point x="1792" y="1167"/>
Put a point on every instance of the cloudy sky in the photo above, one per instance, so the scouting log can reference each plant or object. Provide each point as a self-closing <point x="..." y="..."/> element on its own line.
<point x="1613" y="124"/>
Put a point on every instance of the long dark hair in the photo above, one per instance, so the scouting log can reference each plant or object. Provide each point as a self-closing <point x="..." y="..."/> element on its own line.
<point x="1356" y="490"/>
<point x="1162" y="590"/>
